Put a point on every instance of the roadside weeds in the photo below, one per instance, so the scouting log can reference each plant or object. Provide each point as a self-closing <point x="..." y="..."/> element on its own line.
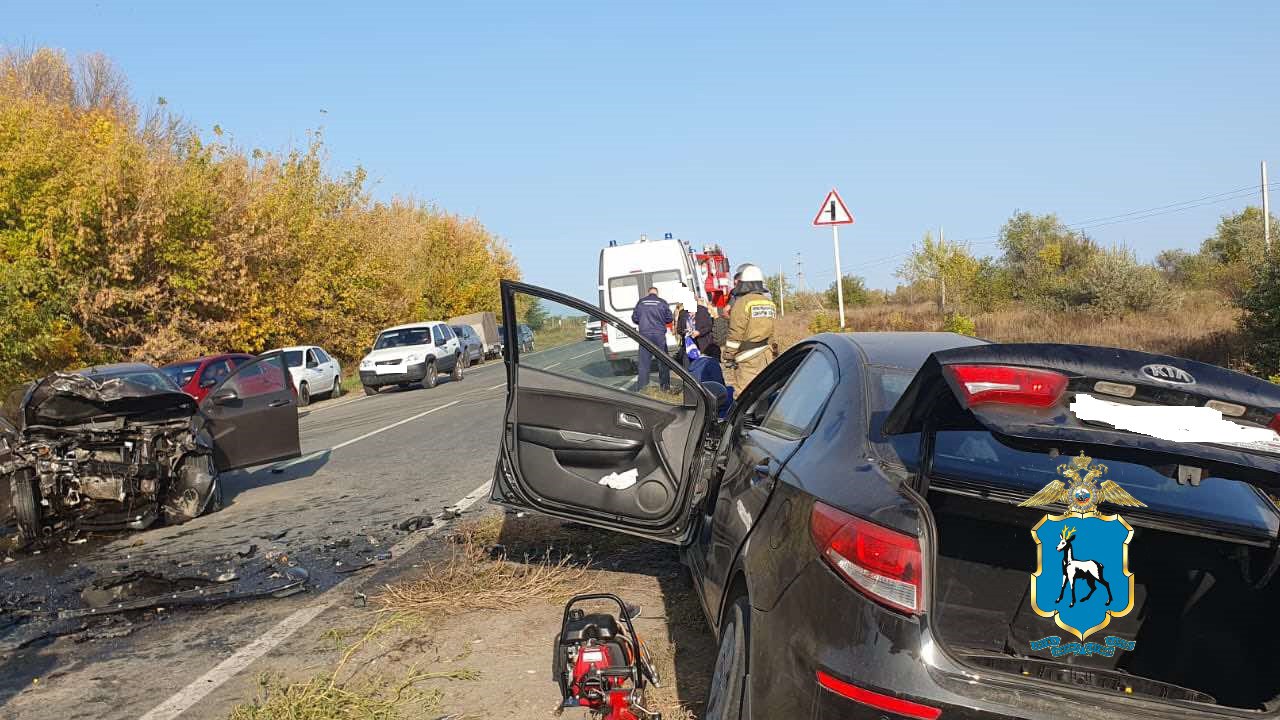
<point x="494" y="601"/>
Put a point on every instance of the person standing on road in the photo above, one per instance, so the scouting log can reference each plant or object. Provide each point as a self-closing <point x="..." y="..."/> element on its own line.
<point x="682" y="329"/>
<point x="651" y="316"/>
<point x="700" y="331"/>
<point x="749" y="347"/>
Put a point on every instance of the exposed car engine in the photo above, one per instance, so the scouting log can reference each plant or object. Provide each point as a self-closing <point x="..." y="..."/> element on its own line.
<point x="106" y="455"/>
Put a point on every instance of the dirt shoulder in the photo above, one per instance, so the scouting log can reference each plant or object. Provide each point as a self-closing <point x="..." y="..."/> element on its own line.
<point x="466" y="630"/>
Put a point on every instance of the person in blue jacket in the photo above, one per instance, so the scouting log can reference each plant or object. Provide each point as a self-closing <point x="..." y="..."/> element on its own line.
<point x="651" y="316"/>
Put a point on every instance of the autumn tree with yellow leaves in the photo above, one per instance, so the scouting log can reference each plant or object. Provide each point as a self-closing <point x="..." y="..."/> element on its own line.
<point x="125" y="236"/>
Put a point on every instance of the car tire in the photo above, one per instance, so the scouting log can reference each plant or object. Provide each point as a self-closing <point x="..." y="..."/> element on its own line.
<point x="459" y="367"/>
<point x="336" y="392"/>
<point x="175" y="512"/>
<point x="25" y="498"/>
<point x="429" y="378"/>
<point x="726" y="692"/>
<point x="370" y="390"/>
<point x="304" y="395"/>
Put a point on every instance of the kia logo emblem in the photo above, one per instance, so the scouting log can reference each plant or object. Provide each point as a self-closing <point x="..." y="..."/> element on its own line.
<point x="1169" y="374"/>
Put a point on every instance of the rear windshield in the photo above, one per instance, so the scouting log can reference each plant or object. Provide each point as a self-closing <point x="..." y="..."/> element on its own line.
<point x="402" y="338"/>
<point x="976" y="455"/>
<point x="181" y="374"/>
<point x="151" y="379"/>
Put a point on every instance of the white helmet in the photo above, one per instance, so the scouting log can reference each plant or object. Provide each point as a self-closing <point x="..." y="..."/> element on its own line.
<point x="750" y="273"/>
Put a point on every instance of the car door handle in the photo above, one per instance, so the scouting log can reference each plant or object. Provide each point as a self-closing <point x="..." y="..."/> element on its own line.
<point x="626" y="419"/>
<point x="278" y="403"/>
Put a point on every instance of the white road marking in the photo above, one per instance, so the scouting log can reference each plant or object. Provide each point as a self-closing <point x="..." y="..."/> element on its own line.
<point x="550" y="366"/>
<point x="340" y="403"/>
<point x="495" y="387"/>
<point x="589" y="352"/>
<point x="396" y="424"/>
<point x="224" y="671"/>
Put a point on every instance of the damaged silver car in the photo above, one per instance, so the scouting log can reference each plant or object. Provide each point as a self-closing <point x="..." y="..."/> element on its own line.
<point x="120" y="446"/>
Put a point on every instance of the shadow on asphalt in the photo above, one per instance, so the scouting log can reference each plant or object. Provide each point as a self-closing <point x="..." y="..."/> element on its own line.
<point x="237" y="482"/>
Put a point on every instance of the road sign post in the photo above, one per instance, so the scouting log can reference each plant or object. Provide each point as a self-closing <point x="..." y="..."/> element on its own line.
<point x="834" y="213"/>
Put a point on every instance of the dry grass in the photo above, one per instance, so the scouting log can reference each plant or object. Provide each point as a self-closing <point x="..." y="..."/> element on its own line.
<point x="1202" y="326"/>
<point x="475" y="578"/>
<point x="356" y="694"/>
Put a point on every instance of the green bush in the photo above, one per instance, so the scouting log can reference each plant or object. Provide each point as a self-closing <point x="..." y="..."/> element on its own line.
<point x="822" y="322"/>
<point x="1260" y="321"/>
<point x="961" y="324"/>
<point x="1113" y="283"/>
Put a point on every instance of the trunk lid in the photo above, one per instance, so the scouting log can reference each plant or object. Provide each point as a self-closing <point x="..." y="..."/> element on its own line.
<point x="938" y="399"/>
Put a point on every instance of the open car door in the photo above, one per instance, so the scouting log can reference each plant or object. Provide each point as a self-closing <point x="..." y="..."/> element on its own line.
<point x="253" y="415"/>
<point x="583" y="444"/>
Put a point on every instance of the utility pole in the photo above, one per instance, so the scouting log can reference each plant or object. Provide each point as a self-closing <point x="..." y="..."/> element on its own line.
<point x="782" y="291"/>
<point x="942" y="278"/>
<point x="835" y="240"/>
<point x="1266" y="212"/>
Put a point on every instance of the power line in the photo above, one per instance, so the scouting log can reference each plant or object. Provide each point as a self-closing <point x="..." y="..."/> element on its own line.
<point x="1131" y="216"/>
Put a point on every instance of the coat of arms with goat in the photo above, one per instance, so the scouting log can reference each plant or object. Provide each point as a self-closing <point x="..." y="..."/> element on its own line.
<point x="1082" y="577"/>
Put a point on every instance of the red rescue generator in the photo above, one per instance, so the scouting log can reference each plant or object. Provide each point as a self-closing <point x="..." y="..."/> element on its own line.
<point x="599" y="666"/>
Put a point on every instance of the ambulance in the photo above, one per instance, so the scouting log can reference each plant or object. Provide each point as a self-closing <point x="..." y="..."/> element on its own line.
<point x="627" y="271"/>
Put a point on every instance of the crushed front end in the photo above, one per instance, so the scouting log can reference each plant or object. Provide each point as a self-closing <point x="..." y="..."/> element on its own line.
<point x="106" y="455"/>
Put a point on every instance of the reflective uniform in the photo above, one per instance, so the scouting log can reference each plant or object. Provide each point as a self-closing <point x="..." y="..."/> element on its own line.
<point x="750" y="337"/>
<point x="651" y="316"/>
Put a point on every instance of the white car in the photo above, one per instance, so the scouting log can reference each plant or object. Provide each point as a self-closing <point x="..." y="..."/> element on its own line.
<point x="413" y="353"/>
<point x="313" y="371"/>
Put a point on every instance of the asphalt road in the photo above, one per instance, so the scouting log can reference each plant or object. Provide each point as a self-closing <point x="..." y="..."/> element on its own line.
<point x="368" y="463"/>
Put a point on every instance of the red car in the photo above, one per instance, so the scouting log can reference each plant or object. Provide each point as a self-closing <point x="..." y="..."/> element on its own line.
<point x="197" y="377"/>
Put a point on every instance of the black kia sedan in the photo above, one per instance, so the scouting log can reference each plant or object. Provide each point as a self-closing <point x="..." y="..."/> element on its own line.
<point x="868" y="527"/>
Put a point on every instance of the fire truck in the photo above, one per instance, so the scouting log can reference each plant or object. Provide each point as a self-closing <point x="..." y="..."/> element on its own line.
<point x="713" y="270"/>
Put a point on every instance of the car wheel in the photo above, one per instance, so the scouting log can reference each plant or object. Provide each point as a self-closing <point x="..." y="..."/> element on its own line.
<point x="370" y="390"/>
<point x="304" y="395"/>
<point x="336" y="392"/>
<point x="193" y="472"/>
<point x="459" y="366"/>
<point x="26" y="505"/>
<point x="729" y="680"/>
<point x="429" y="379"/>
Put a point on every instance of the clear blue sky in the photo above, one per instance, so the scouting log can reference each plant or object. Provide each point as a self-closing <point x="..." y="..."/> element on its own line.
<point x="562" y="126"/>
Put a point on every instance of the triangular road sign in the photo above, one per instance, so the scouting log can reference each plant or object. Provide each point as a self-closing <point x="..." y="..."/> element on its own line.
<point x="833" y="211"/>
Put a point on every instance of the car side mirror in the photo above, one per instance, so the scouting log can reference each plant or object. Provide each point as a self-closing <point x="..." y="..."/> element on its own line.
<point x="226" y="396"/>
<point x="718" y="391"/>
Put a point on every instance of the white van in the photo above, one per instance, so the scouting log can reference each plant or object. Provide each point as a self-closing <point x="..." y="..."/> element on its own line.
<point x="626" y="274"/>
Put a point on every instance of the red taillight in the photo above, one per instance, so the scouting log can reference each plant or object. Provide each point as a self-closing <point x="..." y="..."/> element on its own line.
<point x="882" y="563"/>
<point x="888" y="703"/>
<point x="604" y="332"/>
<point x="1008" y="385"/>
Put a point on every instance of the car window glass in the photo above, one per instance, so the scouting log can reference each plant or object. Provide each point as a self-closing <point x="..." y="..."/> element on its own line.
<point x="557" y="333"/>
<point x="321" y="355"/>
<point x="181" y="374"/>
<point x="239" y="360"/>
<point x="402" y="338"/>
<point x="799" y="403"/>
<point x="976" y="455"/>
<point x="265" y="377"/>
<point x="311" y="358"/>
<point x="293" y="358"/>
<point x="446" y="332"/>
<point x="624" y="292"/>
<point x="667" y="282"/>
<point x="215" y="372"/>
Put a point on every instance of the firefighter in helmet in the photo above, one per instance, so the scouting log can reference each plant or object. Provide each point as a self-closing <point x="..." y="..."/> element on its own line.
<point x="749" y="347"/>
